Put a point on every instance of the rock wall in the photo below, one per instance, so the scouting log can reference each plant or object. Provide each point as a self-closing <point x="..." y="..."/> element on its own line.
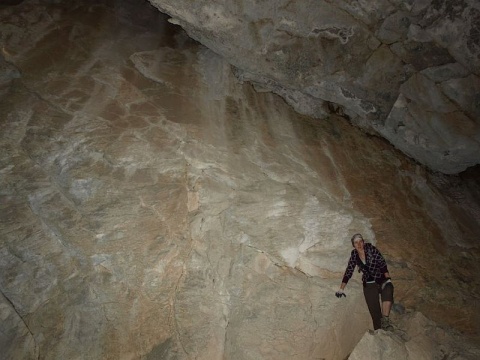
<point x="154" y="207"/>
<point x="407" y="71"/>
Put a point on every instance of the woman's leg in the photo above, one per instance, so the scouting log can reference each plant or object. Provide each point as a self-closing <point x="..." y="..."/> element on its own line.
<point x="386" y="307"/>
<point x="370" y="291"/>
<point x="387" y="299"/>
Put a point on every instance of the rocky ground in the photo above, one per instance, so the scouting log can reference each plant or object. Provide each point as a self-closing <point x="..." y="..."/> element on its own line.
<point x="155" y="207"/>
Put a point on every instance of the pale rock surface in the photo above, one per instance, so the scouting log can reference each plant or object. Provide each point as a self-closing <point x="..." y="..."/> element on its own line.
<point x="153" y="207"/>
<point x="362" y="59"/>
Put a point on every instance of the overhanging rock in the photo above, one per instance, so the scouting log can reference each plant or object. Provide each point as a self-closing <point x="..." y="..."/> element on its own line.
<point x="403" y="70"/>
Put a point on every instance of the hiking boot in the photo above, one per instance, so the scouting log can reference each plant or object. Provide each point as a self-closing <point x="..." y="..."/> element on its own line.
<point x="386" y="324"/>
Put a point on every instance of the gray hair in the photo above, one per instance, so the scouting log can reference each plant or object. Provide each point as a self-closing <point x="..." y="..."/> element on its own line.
<point x="355" y="237"/>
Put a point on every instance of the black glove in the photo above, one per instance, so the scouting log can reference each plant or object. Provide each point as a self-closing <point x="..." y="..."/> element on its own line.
<point x="340" y="293"/>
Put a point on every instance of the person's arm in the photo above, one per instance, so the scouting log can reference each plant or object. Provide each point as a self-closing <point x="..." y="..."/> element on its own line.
<point x="380" y="260"/>
<point x="347" y="275"/>
<point x="349" y="270"/>
<point x="383" y="267"/>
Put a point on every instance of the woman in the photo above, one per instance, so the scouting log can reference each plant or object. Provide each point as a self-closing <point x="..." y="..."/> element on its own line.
<point x="376" y="280"/>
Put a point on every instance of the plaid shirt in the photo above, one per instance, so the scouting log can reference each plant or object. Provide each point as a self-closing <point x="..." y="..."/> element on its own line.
<point x="375" y="263"/>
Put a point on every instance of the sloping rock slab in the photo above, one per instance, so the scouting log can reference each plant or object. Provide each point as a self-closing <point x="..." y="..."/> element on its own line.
<point x="416" y="338"/>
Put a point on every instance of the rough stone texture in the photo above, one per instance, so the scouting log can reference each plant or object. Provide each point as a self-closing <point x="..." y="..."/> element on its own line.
<point x="153" y="207"/>
<point x="362" y="59"/>
<point x="419" y="338"/>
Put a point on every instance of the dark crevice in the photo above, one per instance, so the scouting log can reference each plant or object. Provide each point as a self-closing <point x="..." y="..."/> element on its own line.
<point x="10" y="2"/>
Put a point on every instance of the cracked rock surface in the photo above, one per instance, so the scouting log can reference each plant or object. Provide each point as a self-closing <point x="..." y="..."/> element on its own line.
<point x="407" y="71"/>
<point x="154" y="207"/>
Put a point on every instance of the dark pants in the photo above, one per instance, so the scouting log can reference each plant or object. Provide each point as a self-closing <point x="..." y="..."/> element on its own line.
<point x="371" y="293"/>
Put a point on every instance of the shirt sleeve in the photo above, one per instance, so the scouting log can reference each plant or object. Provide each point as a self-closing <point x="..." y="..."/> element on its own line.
<point x="350" y="267"/>
<point x="379" y="260"/>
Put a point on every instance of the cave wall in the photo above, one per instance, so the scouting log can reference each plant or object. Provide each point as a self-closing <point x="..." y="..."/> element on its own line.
<point x="153" y="206"/>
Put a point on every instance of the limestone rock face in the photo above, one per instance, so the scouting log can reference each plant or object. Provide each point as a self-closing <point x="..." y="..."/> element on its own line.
<point x="154" y="207"/>
<point x="406" y="70"/>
